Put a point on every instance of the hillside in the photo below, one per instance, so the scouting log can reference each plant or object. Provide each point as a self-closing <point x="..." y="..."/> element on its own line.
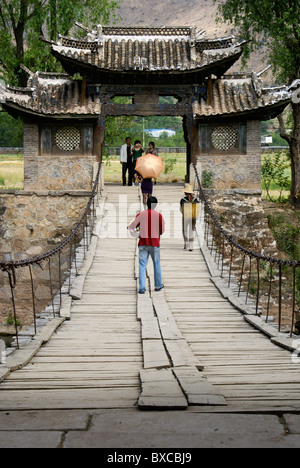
<point x="199" y="13"/>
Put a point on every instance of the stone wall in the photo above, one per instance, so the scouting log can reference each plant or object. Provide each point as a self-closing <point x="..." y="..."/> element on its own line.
<point x="64" y="173"/>
<point x="36" y="218"/>
<point x="59" y="171"/>
<point x="235" y="170"/>
<point x="241" y="213"/>
<point x="32" y="223"/>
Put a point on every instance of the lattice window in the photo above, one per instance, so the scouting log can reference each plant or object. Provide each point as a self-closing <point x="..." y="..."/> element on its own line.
<point x="68" y="138"/>
<point x="224" y="137"/>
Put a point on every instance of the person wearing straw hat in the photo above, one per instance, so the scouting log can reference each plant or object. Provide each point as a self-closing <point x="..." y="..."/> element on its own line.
<point x="188" y="208"/>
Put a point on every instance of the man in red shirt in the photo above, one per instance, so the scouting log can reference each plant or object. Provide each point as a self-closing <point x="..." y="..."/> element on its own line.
<point x="152" y="226"/>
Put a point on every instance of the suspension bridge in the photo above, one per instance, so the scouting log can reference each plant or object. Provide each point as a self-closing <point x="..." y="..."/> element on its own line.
<point x="197" y="345"/>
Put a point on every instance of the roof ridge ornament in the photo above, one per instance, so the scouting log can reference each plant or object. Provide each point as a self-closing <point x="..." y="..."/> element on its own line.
<point x="200" y="34"/>
<point x="264" y="70"/>
<point x="257" y="83"/>
<point x="81" y="26"/>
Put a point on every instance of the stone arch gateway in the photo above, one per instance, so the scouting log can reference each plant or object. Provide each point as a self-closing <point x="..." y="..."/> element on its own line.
<point x="64" y="118"/>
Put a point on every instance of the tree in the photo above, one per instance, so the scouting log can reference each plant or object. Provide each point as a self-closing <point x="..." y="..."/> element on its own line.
<point x="273" y="26"/>
<point x="22" y="22"/>
<point x="11" y="133"/>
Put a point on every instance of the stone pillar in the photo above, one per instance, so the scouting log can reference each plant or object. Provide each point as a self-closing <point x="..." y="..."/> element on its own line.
<point x="195" y="153"/>
<point x="99" y="132"/>
<point x="254" y="154"/>
<point x="191" y="136"/>
<point x="31" y="151"/>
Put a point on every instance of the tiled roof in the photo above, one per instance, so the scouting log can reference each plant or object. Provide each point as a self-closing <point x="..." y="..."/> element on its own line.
<point x="235" y="95"/>
<point x="147" y="49"/>
<point x="50" y="94"/>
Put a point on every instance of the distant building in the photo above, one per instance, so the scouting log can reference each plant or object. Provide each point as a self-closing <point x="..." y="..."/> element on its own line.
<point x="266" y="140"/>
<point x="157" y="132"/>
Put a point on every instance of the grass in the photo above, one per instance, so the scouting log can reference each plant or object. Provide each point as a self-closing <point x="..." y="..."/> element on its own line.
<point x="277" y="192"/>
<point x="11" y="171"/>
<point x="113" y="168"/>
<point x="11" y="157"/>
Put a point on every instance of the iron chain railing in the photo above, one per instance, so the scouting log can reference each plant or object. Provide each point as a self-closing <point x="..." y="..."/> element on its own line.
<point x="287" y="270"/>
<point x="77" y="234"/>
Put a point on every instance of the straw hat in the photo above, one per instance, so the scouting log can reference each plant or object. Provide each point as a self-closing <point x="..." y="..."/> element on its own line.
<point x="188" y="189"/>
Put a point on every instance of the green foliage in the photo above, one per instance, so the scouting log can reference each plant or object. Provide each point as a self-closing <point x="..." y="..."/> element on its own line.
<point x="287" y="235"/>
<point x="288" y="240"/>
<point x="118" y="128"/>
<point x="11" y="320"/>
<point x="169" y="164"/>
<point x="11" y="131"/>
<point x="23" y="21"/>
<point x="271" y="127"/>
<point x="277" y="140"/>
<point x="273" y="172"/>
<point x="286" y="231"/>
<point x="273" y="24"/>
<point x="207" y="178"/>
<point x="169" y="141"/>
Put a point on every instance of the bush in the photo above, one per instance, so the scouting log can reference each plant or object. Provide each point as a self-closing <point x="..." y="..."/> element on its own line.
<point x="273" y="172"/>
<point x="207" y="178"/>
<point x="169" y="164"/>
<point x="287" y="237"/>
<point x="11" y="131"/>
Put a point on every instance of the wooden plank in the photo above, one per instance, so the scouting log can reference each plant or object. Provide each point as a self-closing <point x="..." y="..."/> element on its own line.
<point x="197" y="389"/>
<point x="144" y="307"/>
<point x="167" y="323"/>
<point x="75" y="399"/>
<point x="155" y="355"/>
<point x="150" y="329"/>
<point x="160" y="390"/>
<point x="181" y="354"/>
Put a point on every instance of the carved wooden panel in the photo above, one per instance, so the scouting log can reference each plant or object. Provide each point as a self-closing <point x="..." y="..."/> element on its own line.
<point x="67" y="138"/>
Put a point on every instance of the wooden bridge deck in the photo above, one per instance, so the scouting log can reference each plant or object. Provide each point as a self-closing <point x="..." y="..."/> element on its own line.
<point x="114" y="341"/>
<point x="242" y="363"/>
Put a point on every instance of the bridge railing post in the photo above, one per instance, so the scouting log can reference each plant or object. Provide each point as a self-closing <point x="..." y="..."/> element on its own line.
<point x="82" y="232"/>
<point x="258" y="279"/>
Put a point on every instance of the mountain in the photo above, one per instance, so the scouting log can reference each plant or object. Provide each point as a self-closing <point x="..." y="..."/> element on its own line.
<point x="199" y="13"/>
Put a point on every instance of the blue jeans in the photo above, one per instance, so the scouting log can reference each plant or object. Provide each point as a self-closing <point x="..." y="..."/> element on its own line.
<point x="144" y="252"/>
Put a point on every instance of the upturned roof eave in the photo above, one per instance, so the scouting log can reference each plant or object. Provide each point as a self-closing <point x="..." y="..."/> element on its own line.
<point x="15" y="109"/>
<point x="266" y="112"/>
<point x="71" y="64"/>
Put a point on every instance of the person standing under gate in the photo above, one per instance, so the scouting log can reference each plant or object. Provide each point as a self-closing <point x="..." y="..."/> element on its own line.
<point x="126" y="161"/>
<point x="152" y="150"/>
<point x="152" y="226"/>
<point x="137" y="152"/>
